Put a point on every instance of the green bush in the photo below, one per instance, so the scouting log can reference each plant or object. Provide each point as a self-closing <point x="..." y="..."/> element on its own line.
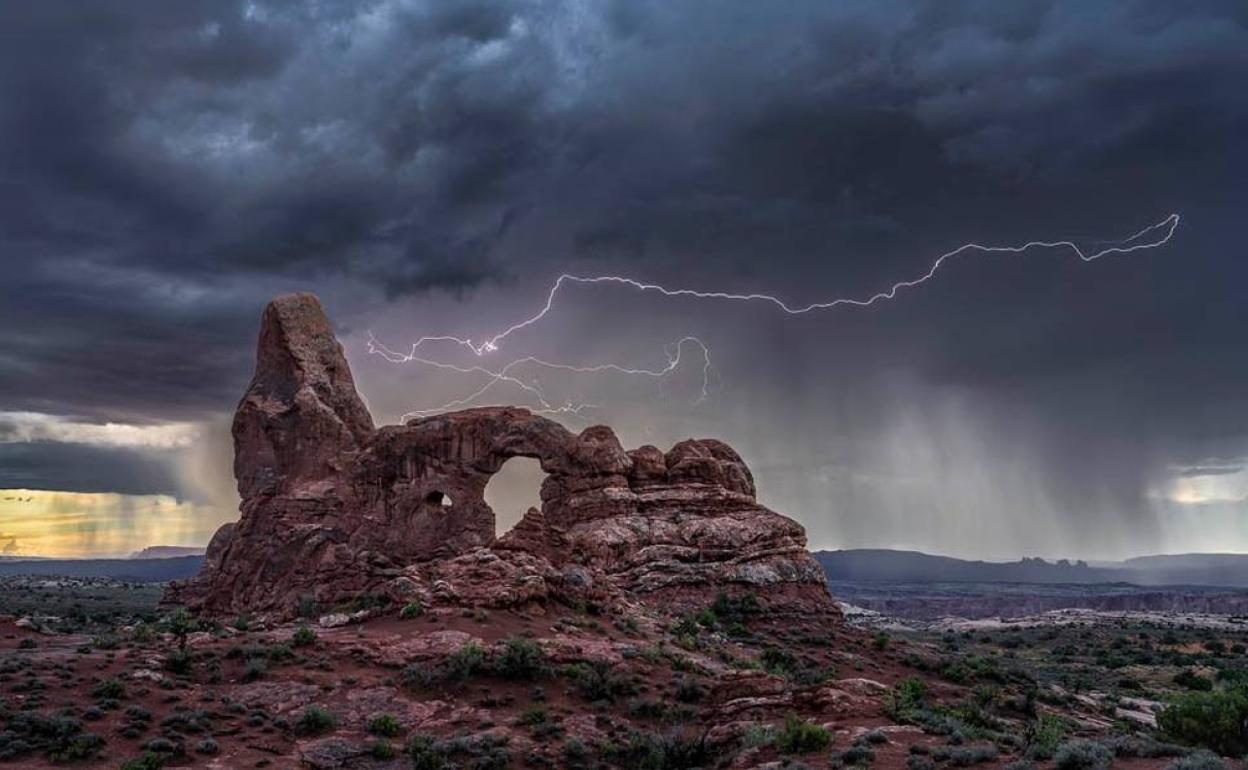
<point x="1044" y="734"/>
<point x="1193" y="681"/>
<point x="907" y="696"/>
<point x="648" y="751"/>
<point x="179" y="661"/>
<point x="384" y="725"/>
<point x="303" y="637"/>
<point x="315" y="720"/>
<point x="801" y="737"/>
<point x="150" y="760"/>
<point x="466" y="662"/>
<point x="1213" y="720"/>
<point x="486" y="751"/>
<point x="426" y="754"/>
<point x="521" y="659"/>
<point x="109" y="688"/>
<point x="411" y="610"/>
<point x="598" y="681"/>
<point x="78" y="748"/>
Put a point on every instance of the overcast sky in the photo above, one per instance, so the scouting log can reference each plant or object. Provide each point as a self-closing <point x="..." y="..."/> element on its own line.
<point x="430" y="168"/>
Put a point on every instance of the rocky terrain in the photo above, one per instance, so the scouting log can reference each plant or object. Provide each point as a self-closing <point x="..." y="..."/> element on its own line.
<point x="930" y="601"/>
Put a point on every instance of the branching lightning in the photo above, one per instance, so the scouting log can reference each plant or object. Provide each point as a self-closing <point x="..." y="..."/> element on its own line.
<point x="1150" y="237"/>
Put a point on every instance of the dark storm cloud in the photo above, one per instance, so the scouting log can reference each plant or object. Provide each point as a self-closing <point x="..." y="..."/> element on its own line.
<point x="165" y="167"/>
<point x="82" y="468"/>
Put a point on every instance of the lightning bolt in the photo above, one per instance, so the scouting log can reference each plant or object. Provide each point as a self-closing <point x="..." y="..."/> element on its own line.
<point x="674" y="353"/>
<point x="1150" y="237"/>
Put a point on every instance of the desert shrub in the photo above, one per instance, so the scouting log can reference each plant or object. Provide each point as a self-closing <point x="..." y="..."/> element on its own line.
<point x="759" y="734"/>
<point x="411" y="610"/>
<point x="1198" y="760"/>
<point x="576" y="753"/>
<point x="254" y="669"/>
<point x="1043" y="735"/>
<point x="777" y="661"/>
<point x="384" y="725"/>
<point x="77" y="748"/>
<point x="487" y="752"/>
<point x="242" y="623"/>
<point x="919" y="762"/>
<point x="420" y="675"/>
<point x="307" y="606"/>
<point x="598" y="681"/>
<point x="880" y="641"/>
<point x="30" y="731"/>
<point x="907" y="696"/>
<point x="686" y="627"/>
<point x="149" y="760"/>
<point x="138" y="714"/>
<point x="1189" y="679"/>
<point x="1082" y="755"/>
<point x="801" y="737"/>
<point x="972" y="755"/>
<point x="1019" y="764"/>
<point x="1144" y="746"/>
<point x="109" y="688"/>
<point x="207" y="746"/>
<point x="673" y="751"/>
<point x="645" y="708"/>
<point x="521" y="659"/>
<point x="381" y="749"/>
<point x="303" y="637"/>
<point x="735" y="608"/>
<point x="465" y="663"/>
<point x="179" y="661"/>
<point x="857" y="754"/>
<point x="689" y="690"/>
<point x="315" y="720"/>
<point x="1213" y="720"/>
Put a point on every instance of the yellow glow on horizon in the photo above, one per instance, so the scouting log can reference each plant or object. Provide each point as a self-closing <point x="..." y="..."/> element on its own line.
<point x="99" y="524"/>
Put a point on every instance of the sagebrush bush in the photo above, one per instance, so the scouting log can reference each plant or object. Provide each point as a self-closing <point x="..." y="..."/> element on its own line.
<point x="315" y="720"/>
<point x="521" y="659"/>
<point x="801" y="737"/>
<point x="1198" y="760"/>
<point x="384" y="725"/>
<point x="1082" y="755"/>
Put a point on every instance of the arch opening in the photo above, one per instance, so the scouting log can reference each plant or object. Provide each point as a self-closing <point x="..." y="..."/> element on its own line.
<point x="513" y="490"/>
<point x="437" y="500"/>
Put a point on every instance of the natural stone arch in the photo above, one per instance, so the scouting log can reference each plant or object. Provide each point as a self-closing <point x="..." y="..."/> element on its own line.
<point x="334" y="508"/>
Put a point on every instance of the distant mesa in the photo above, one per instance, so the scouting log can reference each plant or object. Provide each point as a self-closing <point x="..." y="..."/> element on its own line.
<point x="167" y="552"/>
<point x="335" y="509"/>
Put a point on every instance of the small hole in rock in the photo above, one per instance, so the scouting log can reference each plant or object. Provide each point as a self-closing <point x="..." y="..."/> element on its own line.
<point x="436" y="499"/>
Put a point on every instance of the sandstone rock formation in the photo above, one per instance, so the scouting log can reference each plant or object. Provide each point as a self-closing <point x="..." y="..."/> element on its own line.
<point x="334" y="508"/>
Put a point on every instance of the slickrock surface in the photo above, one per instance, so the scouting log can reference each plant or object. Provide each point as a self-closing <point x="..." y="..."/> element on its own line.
<point x="335" y="509"/>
